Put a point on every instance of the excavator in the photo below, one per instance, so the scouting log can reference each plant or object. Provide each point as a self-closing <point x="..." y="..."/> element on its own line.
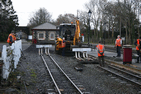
<point x="71" y="33"/>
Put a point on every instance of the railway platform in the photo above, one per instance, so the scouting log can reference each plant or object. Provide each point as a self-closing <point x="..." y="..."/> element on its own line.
<point x="111" y="57"/>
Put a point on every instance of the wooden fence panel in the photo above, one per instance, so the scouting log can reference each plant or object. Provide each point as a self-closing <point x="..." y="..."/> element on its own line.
<point x="11" y="56"/>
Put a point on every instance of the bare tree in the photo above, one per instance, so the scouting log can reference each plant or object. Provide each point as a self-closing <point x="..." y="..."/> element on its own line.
<point x="123" y="17"/>
<point x="39" y="17"/>
<point x="93" y="5"/>
<point x="66" y="18"/>
<point x="115" y="16"/>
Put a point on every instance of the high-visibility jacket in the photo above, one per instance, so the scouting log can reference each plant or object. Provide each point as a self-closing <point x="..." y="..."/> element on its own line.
<point x="63" y="43"/>
<point x="8" y="40"/>
<point x="100" y="49"/>
<point x="14" y="37"/>
<point x="138" y="43"/>
<point x="118" y="42"/>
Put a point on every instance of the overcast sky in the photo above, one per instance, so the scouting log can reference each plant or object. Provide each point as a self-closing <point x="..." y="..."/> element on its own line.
<point x="25" y="8"/>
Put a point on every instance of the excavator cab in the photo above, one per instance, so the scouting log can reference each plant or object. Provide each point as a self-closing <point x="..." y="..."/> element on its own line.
<point x="66" y="30"/>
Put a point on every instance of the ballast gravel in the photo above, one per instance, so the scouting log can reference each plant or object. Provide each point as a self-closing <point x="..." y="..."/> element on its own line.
<point x="93" y="79"/>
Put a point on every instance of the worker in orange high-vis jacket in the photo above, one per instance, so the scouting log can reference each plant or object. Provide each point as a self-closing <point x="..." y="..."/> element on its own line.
<point x="100" y="51"/>
<point x="14" y="37"/>
<point x="118" y="44"/>
<point x="10" y="39"/>
<point x="63" y="46"/>
<point x="138" y="47"/>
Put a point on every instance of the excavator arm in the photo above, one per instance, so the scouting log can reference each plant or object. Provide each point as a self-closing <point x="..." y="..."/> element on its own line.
<point x="76" y="39"/>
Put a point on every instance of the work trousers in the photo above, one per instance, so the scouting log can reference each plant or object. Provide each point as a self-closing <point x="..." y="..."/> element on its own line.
<point x="101" y="61"/>
<point x="63" y="51"/>
<point x="10" y="44"/>
<point x="118" y="51"/>
<point x="139" y="55"/>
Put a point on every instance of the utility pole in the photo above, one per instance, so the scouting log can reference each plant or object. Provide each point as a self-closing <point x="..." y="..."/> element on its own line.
<point x="89" y="14"/>
<point x="77" y="14"/>
<point x="138" y="19"/>
<point x="120" y="27"/>
<point x="89" y="32"/>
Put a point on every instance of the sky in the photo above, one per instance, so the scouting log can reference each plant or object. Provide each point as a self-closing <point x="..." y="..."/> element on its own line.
<point x="25" y="8"/>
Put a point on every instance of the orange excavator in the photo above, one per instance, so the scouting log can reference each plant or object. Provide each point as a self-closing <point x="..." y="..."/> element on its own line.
<point x="71" y="33"/>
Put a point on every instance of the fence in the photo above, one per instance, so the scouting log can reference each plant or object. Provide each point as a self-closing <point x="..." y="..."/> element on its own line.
<point x="110" y="41"/>
<point x="10" y="57"/>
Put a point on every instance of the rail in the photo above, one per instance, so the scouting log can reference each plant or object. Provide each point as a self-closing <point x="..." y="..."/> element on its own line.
<point x="121" y="75"/>
<point x="66" y="76"/>
<point x="62" y="72"/>
<point x="51" y="75"/>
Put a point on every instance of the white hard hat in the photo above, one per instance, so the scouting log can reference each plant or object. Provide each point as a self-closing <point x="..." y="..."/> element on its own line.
<point x="118" y="36"/>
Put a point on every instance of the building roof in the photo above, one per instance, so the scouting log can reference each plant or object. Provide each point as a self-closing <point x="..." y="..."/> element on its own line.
<point x="45" y="26"/>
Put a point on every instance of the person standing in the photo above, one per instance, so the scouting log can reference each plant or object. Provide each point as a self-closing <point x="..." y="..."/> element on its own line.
<point x="64" y="46"/>
<point x="118" y="44"/>
<point x="138" y="47"/>
<point x="11" y="39"/>
<point x="100" y="51"/>
<point x="14" y="37"/>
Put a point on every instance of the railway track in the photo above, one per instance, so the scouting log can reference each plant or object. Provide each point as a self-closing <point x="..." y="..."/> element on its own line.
<point x="123" y="74"/>
<point x="62" y="82"/>
<point x="129" y="76"/>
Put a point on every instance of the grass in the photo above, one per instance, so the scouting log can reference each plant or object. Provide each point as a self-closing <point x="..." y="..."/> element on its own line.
<point x="33" y="74"/>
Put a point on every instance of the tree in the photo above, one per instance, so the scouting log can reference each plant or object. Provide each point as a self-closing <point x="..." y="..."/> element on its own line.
<point x="97" y="18"/>
<point x="84" y="24"/>
<point x="39" y="17"/>
<point x="8" y="19"/>
<point x="66" y="18"/>
<point x="120" y="16"/>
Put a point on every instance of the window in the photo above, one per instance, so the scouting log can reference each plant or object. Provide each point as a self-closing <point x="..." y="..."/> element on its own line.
<point x="41" y="35"/>
<point x="51" y="35"/>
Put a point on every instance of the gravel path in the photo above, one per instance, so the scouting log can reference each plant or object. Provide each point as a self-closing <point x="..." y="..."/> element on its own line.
<point x="93" y="79"/>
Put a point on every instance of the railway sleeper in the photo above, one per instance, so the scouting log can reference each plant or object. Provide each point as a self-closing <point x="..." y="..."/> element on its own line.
<point x="40" y="51"/>
<point x="83" y="58"/>
<point x="43" y="47"/>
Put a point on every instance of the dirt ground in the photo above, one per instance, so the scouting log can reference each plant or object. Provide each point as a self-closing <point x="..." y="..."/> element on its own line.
<point x="35" y="78"/>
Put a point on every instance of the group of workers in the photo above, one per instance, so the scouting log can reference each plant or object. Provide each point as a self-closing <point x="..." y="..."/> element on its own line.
<point x="11" y="38"/>
<point x="118" y="45"/>
<point x="100" y="48"/>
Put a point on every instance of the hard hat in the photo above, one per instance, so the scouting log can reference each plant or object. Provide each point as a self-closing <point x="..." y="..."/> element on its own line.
<point x="63" y="38"/>
<point x="118" y="36"/>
